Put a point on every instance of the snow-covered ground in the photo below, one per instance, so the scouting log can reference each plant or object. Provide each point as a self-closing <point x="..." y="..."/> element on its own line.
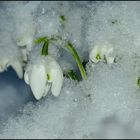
<point x="106" y="105"/>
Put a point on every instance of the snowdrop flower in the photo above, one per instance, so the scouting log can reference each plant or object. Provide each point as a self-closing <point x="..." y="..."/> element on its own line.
<point x="43" y="75"/>
<point x="25" y="37"/>
<point x="16" y="65"/>
<point x="25" y="24"/>
<point x="101" y="53"/>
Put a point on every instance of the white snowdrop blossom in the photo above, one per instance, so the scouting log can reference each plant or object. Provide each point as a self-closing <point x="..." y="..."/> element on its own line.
<point x="16" y="65"/>
<point x="43" y="75"/>
<point x="25" y="38"/>
<point x="101" y="53"/>
<point x="26" y="35"/>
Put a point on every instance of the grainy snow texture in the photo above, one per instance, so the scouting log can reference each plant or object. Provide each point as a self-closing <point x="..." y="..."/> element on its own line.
<point x="107" y="104"/>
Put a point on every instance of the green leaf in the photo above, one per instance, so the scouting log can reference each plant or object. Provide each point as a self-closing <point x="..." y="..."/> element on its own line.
<point x="84" y="63"/>
<point x="114" y="22"/>
<point x="77" y="59"/>
<point x="72" y="75"/>
<point x="62" y="17"/>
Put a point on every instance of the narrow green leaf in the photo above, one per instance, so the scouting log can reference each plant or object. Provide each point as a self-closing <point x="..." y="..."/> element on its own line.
<point x="77" y="59"/>
<point x="84" y="63"/>
<point x="72" y="75"/>
<point x="62" y="17"/>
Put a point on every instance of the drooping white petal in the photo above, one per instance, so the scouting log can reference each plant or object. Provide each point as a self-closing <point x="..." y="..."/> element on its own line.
<point x="4" y="64"/>
<point x="26" y="77"/>
<point x="17" y="66"/>
<point x="57" y="78"/>
<point x="110" y="60"/>
<point x="105" y="50"/>
<point x="38" y="81"/>
<point x="93" y="54"/>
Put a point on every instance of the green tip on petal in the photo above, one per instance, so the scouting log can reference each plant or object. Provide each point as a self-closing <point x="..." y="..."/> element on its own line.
<point x="98" y="57"/>
<point x="48" y="77"/>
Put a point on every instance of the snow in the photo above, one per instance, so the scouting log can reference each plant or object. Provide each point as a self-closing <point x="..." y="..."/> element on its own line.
<point x="107" y="104"/>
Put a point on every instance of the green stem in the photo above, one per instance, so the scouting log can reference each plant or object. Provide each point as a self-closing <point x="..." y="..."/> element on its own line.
<point x="40" y="40"/>
<point x="138" y="81"/>
<point x="77" y="59"/>
<point x="45" y="48"/>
